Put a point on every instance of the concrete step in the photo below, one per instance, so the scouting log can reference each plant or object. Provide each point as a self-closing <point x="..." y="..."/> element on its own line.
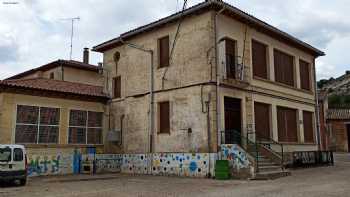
<point x="269" y="168"/>
<point x="271" y="175"/>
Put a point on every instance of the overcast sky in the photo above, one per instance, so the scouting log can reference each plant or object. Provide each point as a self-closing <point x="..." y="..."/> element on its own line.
<point x="33" y="33"/>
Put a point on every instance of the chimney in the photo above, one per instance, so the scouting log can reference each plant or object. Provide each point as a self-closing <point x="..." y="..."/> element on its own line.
<point x="86" y="56"/>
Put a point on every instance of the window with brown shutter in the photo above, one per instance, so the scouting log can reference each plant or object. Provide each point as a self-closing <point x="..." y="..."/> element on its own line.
<point x="163" y="51"/>
<point x="117" y="87"/>
<point x="287" y="124"/>
<point x="259" y="53"/>
<point x="308" y="127"/>
<point x="164" y="117"/>
<point x="262" y="120"/>
<point x="284" y="68"/>
<point x="230" y="48"/>
<point x="304" y="75"/>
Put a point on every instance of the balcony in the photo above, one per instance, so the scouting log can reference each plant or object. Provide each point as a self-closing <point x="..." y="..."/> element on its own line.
<point x="235" y="73"/>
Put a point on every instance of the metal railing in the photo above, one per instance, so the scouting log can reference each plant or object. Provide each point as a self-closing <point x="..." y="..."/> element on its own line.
<point x="274" y="147"/>
<point x="312" y="159"/>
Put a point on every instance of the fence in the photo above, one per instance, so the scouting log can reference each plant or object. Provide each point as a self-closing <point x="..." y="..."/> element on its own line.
<point x="312" y="159"/>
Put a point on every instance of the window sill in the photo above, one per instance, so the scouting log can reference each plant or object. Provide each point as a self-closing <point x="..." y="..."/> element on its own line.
<point x="283" y="85"/>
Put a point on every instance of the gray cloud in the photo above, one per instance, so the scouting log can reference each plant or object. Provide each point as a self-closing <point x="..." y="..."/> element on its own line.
<point x="8" y="52"/>
<point x="35" y="34"/>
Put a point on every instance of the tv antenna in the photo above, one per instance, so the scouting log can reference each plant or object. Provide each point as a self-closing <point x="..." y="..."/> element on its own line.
<point x="72" y="34"/>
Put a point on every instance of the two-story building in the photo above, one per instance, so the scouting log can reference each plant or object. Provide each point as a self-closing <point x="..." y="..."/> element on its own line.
<point x="211" y="75"/>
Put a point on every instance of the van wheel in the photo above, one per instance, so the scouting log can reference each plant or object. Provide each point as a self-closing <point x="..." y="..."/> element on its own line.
<point x="23" y="182"/>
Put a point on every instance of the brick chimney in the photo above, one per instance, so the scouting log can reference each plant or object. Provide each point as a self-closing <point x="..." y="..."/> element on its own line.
<point x="86" y="56"/>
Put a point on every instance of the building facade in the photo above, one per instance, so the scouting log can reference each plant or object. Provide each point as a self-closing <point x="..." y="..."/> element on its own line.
<point x="223" y="73"/>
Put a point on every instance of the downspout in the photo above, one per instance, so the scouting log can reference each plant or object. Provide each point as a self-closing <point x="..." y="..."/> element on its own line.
<point x="151" y="100"/>
<point x="218" y="78"/>
<point x="318" y="124"/>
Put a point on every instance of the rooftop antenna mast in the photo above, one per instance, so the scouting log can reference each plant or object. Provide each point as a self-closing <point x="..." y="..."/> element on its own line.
<point x="72" y="34"/>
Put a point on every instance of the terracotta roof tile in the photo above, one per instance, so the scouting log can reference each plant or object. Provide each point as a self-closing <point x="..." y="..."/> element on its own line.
<point x="57" y="86"/>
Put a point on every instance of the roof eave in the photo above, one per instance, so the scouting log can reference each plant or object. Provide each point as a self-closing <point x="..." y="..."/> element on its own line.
<point x="216" y="5"/>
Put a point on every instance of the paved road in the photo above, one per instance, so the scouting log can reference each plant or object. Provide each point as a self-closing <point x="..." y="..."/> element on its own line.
<point x="317" y="182"/>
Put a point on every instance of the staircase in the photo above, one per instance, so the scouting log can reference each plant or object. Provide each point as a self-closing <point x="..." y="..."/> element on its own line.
<point x="269" y="170"/>
<point x="267" y="155"/>
<point x="268" y="162"/>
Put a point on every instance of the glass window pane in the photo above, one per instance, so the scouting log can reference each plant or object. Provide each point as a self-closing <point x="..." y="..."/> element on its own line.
<point x="5" y="154"/>
<point x="77" y="135"/>
<point x="27" y="114"/>
<point x="26" y="133"/>
<point x="17" y="154"/>
<point x="49" y="116"/>
<point x="77" y="118"/>
<point x="48" y="134"/>
<point x="94" y="136"/>
<point x="95" y="119"/>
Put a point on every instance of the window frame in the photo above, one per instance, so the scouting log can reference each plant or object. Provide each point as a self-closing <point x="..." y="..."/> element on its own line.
<point x="160" y="130"/>
<point x="286" y="139"/>
<point x="312" y="125"/>
<point x="159" y="41"/>
<point x="309" y="77"/>
<point x="269" y="106"/>
<point x="86" y="127"/>
<point x="235" y="57"/>
<point x="115" y="80"/>
<point x="38" y="124"/>
<point x="267" y="60"/>
<point x="283" y="69"/>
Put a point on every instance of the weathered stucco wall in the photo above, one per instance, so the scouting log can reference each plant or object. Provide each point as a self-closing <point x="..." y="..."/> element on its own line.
<point x="193" y="62"/>
<point x="188" y="67"/>
<point x="266" y="91"/>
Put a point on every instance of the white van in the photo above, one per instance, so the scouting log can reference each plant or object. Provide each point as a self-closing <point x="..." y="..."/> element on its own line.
<point x="13" y="163"/>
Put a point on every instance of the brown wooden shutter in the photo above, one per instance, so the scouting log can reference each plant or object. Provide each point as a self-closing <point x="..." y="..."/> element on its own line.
<point x="308" y="127"/>
<point x="282" y="131"/>
<point x="279" y="76"/>
<point x="284" y="68"/>
<point x="164" y="117"/>
<point x="117" y="87"/>
<point x="164" y="52"/>
<point x="287" y="124"/>
<point x="305" y="75"/>
<point x="262" y="120"/>
<point x="230" y="47"/>
<point x="292" y="127"/>
<point x="259" y="59"/>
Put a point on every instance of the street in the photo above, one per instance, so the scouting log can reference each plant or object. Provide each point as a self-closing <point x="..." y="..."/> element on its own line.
<point x="315" y="182"/>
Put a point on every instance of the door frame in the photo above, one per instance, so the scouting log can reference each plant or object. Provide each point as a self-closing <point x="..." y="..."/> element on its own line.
<point x="242" y="103"/>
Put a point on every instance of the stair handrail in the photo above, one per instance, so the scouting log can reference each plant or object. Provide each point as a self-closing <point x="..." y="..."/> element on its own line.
<point x="264" y="141"/>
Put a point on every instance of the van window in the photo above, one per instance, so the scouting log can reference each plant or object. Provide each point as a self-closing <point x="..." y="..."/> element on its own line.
<point x="5" y="154"/>
<point x="17" y="154"/>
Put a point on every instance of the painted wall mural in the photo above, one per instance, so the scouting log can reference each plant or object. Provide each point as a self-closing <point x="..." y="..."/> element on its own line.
<point x="167" y="164"/>
<point x="236" y="155"/>
<point x="108" y="163"/>
<point x="39" y="165"/>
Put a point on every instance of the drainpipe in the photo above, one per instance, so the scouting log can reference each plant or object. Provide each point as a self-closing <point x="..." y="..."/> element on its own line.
<point x="151" y="101"/>
<point x="218" y="78"/>
<point x="318" y="130"/>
